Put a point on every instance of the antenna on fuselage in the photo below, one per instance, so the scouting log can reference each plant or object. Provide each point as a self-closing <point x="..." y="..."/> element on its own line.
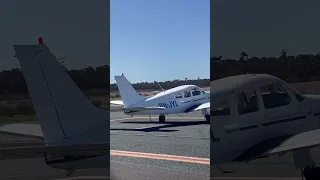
<point x="160" y="86"/>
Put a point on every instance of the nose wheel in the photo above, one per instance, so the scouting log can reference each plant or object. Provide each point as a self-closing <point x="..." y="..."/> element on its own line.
<point x="162" y="118"/>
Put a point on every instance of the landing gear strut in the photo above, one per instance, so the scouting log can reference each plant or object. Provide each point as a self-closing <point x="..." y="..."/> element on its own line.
<point x="207" y="116"/>
<point x="162" y="118"/>
<point x="311" y="172"/>
<point x="304" y="161"/>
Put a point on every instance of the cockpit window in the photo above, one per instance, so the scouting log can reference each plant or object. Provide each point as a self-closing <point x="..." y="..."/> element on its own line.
<point x="222" y="109"/>
<point x="179" y="96"/>
<point x="187" y="94"/>
<point x="247" y="102"/>
<point x="274" y="95"/>
<point x="195" y="92"/>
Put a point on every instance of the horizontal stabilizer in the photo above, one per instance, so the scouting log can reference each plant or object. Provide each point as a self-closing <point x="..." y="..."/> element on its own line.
<point x="69" y="150"/>
<point x="137" y="109"/>
<point x="203" y="106"/>
<point x="24" y="130"/>
<point x="117" y="102"/>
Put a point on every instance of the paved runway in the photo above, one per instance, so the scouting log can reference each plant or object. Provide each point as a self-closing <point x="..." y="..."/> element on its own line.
<point x="176" y="149"/>
<point x="186" y="139"/>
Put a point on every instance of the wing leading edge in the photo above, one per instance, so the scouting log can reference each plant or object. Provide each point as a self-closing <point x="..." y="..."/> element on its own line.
<point x="281" y="145"/>
<point x="202" y="106"/>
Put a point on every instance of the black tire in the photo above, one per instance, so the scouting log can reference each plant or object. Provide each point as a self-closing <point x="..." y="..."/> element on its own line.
<point x="162" y="119"/>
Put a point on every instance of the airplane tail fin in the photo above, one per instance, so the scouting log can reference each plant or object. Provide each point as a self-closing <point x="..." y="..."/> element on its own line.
<point x="65" y="114"/>
<point x="128" y="94"/>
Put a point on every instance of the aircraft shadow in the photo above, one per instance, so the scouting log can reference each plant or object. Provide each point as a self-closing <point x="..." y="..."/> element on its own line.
<point x="160" y="128"/>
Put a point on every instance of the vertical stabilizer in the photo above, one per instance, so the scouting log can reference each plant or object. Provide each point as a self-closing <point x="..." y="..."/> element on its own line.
<point x="62" y="110"/>
<point x="128" y="94"/>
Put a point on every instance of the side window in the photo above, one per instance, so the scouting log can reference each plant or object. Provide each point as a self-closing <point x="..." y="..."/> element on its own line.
<point x="274" y="95"/>
<point x="247" y="102"/>
<point x="187" y="94"/>
<point x="223" y="109"/>
<point x="179" y="96"/>
<point x="195" y="92"/>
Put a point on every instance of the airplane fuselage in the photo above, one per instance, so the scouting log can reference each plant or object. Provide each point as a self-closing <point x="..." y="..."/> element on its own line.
<point x="240" y="132"/>
<point x="177" y="100"/>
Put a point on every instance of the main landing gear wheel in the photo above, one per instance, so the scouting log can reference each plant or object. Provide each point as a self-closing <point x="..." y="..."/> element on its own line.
<point x="207" y="116"/>
<point x="311" y="172"/>
<point x="162" y="119"/>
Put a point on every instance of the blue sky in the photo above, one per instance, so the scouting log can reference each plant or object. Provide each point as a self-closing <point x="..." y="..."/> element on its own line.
<point x="159" y="40"/>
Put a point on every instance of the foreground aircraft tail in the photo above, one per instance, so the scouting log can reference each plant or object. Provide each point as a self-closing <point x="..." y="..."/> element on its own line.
<point x="64" y="113"/>
<point x="128" y="94"/>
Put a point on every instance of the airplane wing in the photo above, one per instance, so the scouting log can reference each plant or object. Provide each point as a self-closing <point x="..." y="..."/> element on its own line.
<point x="38" y="149"/>
<point x="117" y="102"/>
<point x="307" y="139"/>
<point x="282" y="145"/>
<point x="203" y="106"/>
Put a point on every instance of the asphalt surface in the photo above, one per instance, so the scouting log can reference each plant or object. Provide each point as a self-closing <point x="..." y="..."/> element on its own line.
<point x="183" y="138"/>
<point x="186" y="136"/>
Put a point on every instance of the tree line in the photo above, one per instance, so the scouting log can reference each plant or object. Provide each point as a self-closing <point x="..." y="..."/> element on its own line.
<point x="165" y="85"/>
<point x="13" y="82"/>
<point x="88" y="80"/>
<point x="299" y="68"/>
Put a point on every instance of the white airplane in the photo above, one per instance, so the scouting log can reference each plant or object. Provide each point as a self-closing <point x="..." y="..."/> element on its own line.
<point x="76" y="133"/>
<point x="258" y="115"/>
<point x="181" y="99"/>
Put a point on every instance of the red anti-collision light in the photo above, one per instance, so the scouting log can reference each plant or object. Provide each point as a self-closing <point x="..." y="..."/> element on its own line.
<point x="40" y="40"/>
